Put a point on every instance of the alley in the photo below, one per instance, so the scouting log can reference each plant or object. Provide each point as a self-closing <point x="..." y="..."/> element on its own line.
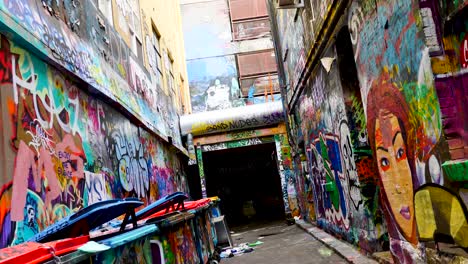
<point x="144" y="131"/>
<point x="281" y="244"/>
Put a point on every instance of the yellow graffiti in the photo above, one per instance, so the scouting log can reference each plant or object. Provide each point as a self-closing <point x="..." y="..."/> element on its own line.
<point x="440" y="212"/>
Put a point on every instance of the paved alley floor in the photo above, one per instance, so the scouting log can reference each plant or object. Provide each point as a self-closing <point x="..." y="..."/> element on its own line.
<point x="282" y="244"/>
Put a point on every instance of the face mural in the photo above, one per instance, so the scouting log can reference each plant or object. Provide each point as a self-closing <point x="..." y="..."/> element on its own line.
<point x="394" y="170"/>
<point x="402" y="109"/>
<point x="388" y="137"/>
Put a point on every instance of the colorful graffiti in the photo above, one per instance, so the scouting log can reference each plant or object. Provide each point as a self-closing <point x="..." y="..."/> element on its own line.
<point x="332" y="122"/>
<point x="403" y="112"/>
<point x="303" y="188"/>
<point x="213" y="84"/>
<point x="440" y="215"/>
<point x="94" y="51"/>
<point x="69" y="150"/>
<point x="388" y="135"/>
<point x="161" y="250"/>
<point x="183" y="244"/>
<point x="451" y="81"/>
<point x="237" y="144"/>
<point x="291" y="30"/>
<point x="288" y="177"/>
<point x="378" y="137"/>
<point x="138" y="251"/>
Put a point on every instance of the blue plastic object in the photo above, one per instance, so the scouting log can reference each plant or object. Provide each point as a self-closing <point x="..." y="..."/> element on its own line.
<point x="87" y="219"/>
<point x="130" y="236"/>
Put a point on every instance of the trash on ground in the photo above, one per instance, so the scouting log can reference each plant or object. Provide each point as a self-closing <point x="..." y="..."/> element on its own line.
<point x="326" y="252"/>
<point x="239" y="250"/>
<point x="255" y="244"/>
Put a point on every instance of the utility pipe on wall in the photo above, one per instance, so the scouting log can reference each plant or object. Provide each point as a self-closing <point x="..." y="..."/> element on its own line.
<point x="231" y="119"/>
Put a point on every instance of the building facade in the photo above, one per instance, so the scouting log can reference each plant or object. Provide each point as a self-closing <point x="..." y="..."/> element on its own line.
<point x="376" y="95"/>
<point x="90" y="101"/>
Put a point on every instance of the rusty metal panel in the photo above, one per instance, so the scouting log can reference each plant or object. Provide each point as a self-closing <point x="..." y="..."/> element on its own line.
<point x="246" y="9"/>
<point x="259" y="85"/>
<point x="257" y="63"/>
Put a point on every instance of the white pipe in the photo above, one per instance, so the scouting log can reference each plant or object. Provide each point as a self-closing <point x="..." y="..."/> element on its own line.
<point x="232" y="119"/>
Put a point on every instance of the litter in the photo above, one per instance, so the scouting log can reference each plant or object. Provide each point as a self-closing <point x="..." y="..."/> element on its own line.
<point x="239" y="250"/>
<point x="255" y="244"/>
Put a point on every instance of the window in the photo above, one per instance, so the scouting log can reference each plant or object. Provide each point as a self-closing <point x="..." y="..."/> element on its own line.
<point x="247" y="9"/>
<point x="259" y="85"/>
<point x="137" y="46"/>
<point x="249" y="19"/>
<point x="250" y="29"/>
<point x="258" y="73"/>
<point x="134" y="25"/>
<point x="157" y="52"/>
<point x="170" y="81"/>
<point x="155" y="56"/>
<point x="105" y="6"/>
<point x="257" y="63"/>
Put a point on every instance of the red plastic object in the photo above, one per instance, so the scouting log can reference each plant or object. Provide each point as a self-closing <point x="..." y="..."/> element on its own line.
<point x="27" y="253"/>
<point x="33" y="253"/>
<point x="190" y="205"/>
<point x="67" y="245"/>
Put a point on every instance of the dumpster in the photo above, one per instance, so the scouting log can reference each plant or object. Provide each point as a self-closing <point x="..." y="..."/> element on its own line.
<point x="196" y="217"/>
<point x="169" y="231"/>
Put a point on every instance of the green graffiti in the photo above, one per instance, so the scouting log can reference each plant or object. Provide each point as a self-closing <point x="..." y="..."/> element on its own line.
<point x="358" y="115"/>
<point x="237" y="144"/>
<point x="424" y="115"/>
<point x="456" y="170"/>
<point x="330" y="185"/>
<point x="243" y="134"/>
<point x="169" y="256"/>
<point x="201" y="170"/>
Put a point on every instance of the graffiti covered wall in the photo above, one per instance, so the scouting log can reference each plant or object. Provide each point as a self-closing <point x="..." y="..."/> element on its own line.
<point x="386" y="149"/>
<point x="78" y="38"/>
<point x="345" y="198"/>
<point x="64" y="149"/>
<point x="406" y="128"/>
<point x="287" y="175"/>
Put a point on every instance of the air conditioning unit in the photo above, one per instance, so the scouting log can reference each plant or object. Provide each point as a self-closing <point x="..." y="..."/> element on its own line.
<point x="285" y="4"/>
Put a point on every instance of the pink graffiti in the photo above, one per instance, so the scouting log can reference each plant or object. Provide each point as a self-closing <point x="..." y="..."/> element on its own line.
<point x="70" y="155"/>
<point x="464" y="52"/>
<point x="43" y="173"/>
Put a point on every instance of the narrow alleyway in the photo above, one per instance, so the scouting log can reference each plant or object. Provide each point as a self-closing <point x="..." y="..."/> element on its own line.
<point x="281" y="244"/>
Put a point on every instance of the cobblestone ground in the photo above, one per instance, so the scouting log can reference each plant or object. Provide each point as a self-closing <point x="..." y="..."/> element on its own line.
<point x="282" y="244"/>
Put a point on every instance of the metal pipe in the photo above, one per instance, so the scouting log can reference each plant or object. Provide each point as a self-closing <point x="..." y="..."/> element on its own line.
<point x="237" y="118"/>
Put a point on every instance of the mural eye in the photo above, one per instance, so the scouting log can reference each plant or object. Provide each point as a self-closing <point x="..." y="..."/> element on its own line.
<point x="401" y="154"/>
<point x="384" y="164"/>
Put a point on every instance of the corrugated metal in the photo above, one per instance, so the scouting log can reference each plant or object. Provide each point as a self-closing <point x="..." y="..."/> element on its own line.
<point x="245" y="9"/>
<point x="232" y="119"/>
<point x="257" y="63"/>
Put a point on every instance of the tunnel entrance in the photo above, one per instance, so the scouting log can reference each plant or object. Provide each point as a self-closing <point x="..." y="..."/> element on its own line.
<point x="247" y="181"/>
